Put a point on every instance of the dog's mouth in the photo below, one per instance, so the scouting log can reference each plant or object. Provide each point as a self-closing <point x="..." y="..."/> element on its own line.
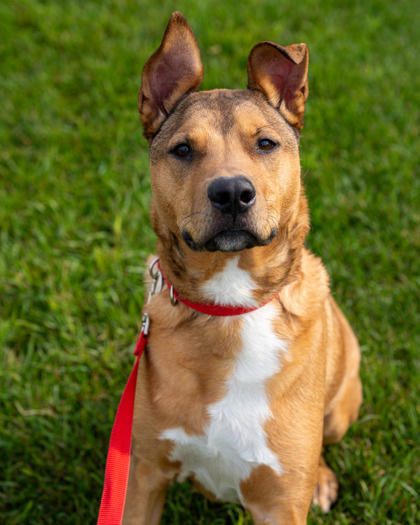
<point x="229" y="240"/>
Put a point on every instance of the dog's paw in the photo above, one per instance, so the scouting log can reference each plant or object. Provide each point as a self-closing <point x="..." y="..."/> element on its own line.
<point x="326" y="489"/>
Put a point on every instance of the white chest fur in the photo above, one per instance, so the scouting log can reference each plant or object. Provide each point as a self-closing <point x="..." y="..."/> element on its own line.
<point x="234" y="441"/>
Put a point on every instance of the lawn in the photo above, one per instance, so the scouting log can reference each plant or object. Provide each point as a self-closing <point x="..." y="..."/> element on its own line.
<point x="74" y="234"/>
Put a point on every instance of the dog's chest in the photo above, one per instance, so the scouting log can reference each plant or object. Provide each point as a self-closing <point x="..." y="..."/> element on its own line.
<point x="234" y="441"/>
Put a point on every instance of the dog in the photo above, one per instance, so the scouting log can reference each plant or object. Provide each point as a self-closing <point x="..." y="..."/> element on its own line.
<point x="240" y="403"/>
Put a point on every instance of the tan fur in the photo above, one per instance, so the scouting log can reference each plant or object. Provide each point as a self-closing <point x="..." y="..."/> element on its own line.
<point x="190" y="356"/>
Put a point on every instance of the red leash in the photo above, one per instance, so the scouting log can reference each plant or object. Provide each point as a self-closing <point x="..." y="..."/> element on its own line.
<point x="118" y="461"/>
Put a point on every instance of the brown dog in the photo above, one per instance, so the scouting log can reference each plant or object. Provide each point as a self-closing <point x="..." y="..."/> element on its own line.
<point x="240" y="404"/>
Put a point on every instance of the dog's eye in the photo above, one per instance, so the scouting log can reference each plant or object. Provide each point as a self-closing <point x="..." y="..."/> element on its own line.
<point x="265" y="144"/>
<point x="182" y="150"/>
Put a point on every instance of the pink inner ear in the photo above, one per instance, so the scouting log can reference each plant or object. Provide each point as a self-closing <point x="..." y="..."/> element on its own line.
<point x="284" y="75"/>
<point x="164" y="81"/>
<point x="176" y="72"/>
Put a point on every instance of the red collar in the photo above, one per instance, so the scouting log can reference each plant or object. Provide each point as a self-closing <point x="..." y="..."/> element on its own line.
<point x="217" y="310"/>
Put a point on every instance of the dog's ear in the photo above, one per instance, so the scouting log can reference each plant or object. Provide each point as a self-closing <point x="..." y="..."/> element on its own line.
<point x="174" y="69"/>
<point x="281" y="73"/>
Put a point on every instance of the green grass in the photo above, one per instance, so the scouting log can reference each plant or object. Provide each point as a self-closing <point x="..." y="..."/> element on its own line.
<point x="74" y="233"/>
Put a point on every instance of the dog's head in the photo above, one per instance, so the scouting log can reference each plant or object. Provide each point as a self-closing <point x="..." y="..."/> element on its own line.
<point x="225" y="167"/>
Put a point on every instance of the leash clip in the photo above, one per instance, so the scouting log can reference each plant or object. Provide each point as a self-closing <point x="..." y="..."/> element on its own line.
<point x="157" y="279"/>
<point x="144" y="334"/>
<point x="145" y="322"/>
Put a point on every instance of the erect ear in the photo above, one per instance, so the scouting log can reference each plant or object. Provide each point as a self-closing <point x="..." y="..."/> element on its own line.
<point x="174" y="69"/>
<point x="281" y="73"/>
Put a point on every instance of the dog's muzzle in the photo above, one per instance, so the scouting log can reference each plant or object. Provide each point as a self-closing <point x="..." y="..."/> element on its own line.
<point x="232" y="229"/>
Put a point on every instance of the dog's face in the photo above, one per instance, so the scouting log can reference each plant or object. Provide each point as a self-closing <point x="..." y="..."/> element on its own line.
<point x="225" y="166"/>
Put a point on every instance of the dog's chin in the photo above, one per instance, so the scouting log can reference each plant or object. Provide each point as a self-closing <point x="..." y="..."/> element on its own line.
<point x="229" y="241"/>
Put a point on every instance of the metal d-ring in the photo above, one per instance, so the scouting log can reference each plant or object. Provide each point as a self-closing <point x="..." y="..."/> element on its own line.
<point x="157" y="279"/>
<point x="154" y="275"/>
<point x="157" y="282"/>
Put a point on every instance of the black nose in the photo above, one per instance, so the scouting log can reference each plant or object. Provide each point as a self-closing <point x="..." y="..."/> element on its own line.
<point x="232" y="195"/>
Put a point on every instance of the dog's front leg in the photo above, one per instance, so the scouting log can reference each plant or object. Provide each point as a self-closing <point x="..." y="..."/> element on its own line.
<point x="274" y="499"/>
<point x="285" y="513"/>
<point x="291" y="516"/>
<point x="145" y="493"/>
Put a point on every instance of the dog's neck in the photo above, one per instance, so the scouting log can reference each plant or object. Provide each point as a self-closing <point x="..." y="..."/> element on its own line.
<point x="250" y="277"/>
